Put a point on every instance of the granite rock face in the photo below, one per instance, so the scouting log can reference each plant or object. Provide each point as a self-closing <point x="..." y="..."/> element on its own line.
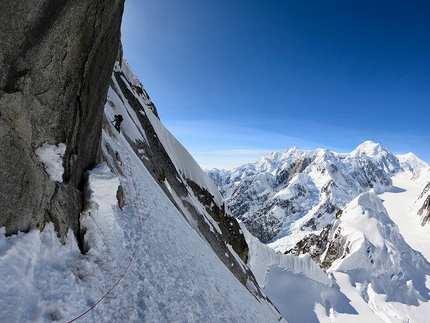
<point x="425" y="211"/>
<point x="56" y="59"/>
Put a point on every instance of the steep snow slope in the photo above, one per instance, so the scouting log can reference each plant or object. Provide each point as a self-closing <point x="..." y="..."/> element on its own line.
<point x="403" y="203"/>
<point x="162" y="268"/>
<point x="177" y="174"/>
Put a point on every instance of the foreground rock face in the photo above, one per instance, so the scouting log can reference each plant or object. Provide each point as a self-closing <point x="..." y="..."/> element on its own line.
<point x="56" y="59"/>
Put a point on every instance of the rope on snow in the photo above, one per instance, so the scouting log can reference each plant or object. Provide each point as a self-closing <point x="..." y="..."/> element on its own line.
<point x="118" y="281"/>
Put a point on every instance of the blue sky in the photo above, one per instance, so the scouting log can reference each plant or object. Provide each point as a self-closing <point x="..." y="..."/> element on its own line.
<point x="233" y="80"/>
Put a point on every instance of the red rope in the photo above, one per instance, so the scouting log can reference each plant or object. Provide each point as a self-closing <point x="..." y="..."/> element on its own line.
<point x="118" y="281"/>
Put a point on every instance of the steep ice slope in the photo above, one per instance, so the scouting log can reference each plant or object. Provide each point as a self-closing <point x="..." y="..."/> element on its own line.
<point x="174" y="277"/>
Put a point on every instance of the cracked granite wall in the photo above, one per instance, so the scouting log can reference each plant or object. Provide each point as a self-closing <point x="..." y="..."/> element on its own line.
<point x="56" y="59"/>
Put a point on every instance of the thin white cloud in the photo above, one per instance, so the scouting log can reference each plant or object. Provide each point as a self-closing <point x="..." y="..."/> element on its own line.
<point x="241" y="152"/>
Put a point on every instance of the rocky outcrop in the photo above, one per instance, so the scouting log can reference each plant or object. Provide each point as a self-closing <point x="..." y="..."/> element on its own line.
<point x="263" y="226"/>
<point x="230" y="230"/>
<point x="56" y="61"/>
<point x="323" y="249"/>
<point x="313" y="244"/>
<point x="424" y="211"/>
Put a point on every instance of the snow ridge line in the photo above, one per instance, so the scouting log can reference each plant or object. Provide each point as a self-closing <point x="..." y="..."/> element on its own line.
<point x="119" y="280"/>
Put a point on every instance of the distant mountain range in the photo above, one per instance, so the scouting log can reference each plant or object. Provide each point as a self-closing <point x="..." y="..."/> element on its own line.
<point x="297" y="192"/>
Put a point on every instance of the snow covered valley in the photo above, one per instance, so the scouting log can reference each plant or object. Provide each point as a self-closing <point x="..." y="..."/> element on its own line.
<point x="159" y="245"/>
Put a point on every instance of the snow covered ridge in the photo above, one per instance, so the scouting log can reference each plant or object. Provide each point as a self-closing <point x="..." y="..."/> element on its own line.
<point x="178" y="175"/>
<point x="376" y="247"/>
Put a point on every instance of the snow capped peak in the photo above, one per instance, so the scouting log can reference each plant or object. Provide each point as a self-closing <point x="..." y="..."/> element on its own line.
<point x="328" y="206"/>
<point x="412" y="163"/>
<point x="294" y="150"/>
<point x="376" y="248"/>
<point x="370" y="148"/>
<point x="371" y="155"/>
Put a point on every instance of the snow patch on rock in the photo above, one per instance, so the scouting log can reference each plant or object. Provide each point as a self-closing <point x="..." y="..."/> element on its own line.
<point x="51" y="156"/>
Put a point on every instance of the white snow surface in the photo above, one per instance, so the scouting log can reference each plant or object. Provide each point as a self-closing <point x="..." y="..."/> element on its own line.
<point x="410" y="162"/>
<point x="174" y="277"/>
<point x="159" y="266"/>
<point x="51" y="157"/>
<point x="402" y="203"/>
